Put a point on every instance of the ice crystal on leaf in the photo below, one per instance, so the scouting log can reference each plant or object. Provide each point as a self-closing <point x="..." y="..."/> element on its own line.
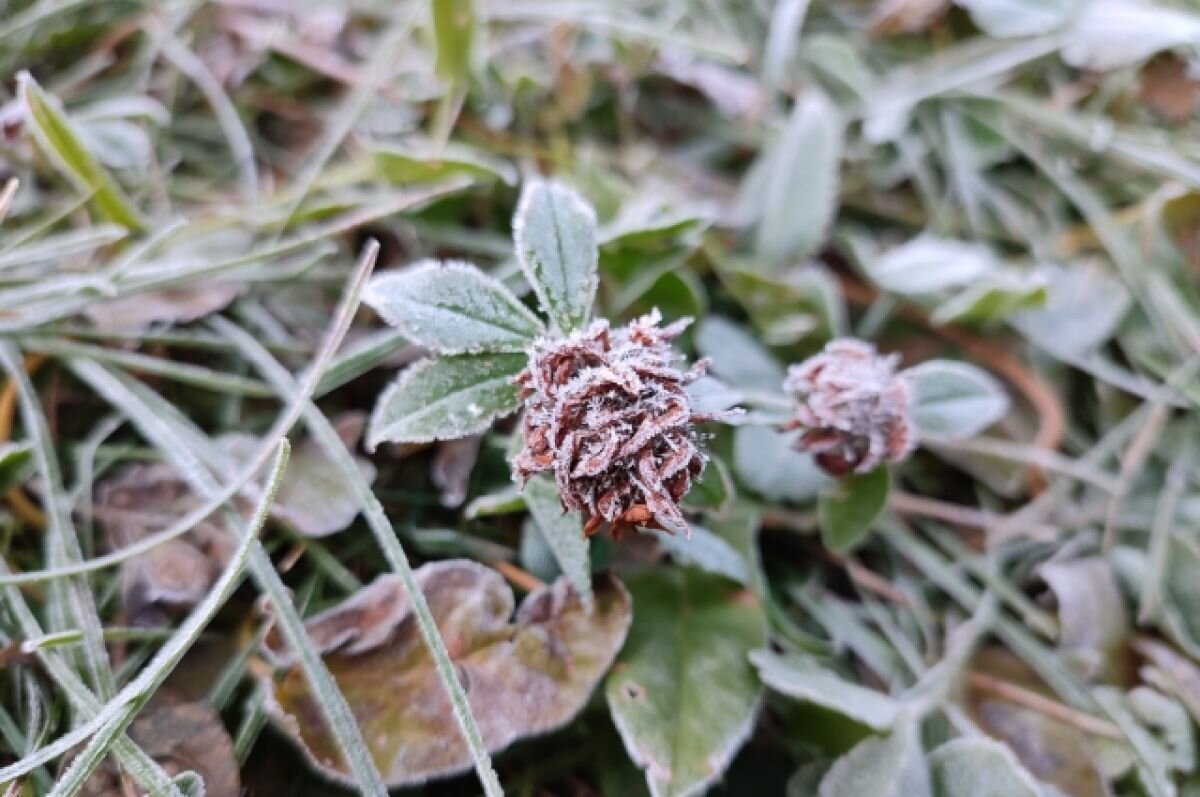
<point x="608" y="414"/>
<point x="852" y="407"/>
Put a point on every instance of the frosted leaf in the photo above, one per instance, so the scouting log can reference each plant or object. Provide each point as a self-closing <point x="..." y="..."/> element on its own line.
<point x="555" y="234"/>
<point x="563" y="533"/>
<point x="523" y="676"/>
<point x="432" y="399"/>
<point x="452" y="308"/>
<point x="954" y="399"/>
<point x="927" y="264"/>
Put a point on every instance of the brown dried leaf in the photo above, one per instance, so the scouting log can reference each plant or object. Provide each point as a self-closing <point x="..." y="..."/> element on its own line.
<point x="1169" y="87"/>
<point x="142" y="500"/>
<point x="452" y="466"/>
<point x="314" y="498"/>
<point x="525" y="676"/>
<point x="181" y="737"/>
<point x="1052" y="750"/>
<point x="895" y="17"/>
<point x="169" y="306"/>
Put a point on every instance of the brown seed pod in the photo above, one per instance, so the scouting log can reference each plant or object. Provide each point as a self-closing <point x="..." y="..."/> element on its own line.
<point x="852" y="407"/>
<point x="607" y="412"/>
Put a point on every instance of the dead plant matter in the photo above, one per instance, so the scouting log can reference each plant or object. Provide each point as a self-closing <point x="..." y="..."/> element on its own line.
<point x="852" y="407"/>
<point x="608" y="413"/>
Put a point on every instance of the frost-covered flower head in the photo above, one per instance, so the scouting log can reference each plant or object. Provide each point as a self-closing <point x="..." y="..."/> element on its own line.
<point x="852" y="407"/>
<point x="607" y="412"/>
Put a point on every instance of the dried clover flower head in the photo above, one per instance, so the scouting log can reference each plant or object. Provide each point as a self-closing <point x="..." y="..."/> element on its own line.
<point x="607" y="412"/>
<point x="854" y="410"/>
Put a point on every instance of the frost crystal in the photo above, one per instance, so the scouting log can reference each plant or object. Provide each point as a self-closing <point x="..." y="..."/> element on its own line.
<point x="606" y="411"/>
<point x="854" y="410"/>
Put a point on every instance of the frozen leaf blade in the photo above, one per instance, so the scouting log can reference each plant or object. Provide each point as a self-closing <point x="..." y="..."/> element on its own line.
<point x="1004" y="19"/>
<point x="445" y="399"/>
<point x="452" y="308"/>
<point x="736" y="357"/>
<point x="523" y="676"/>
<point x="954" y="400"/>
<point x="980" y="768"/>
<point x="1083" y="308"/>
<point x="893" y="766"/>
<point x="563" y="534"/>
<point x="800" y="677"/>
<point x="683" y="694"/>
<point x="768" y="463"/>
<point x="801" y="189"/>
<point x="555" y="235"/>
<point x="1110" y="34"/>
<point x="927" y="264"/>
<point x="707" y="551"/>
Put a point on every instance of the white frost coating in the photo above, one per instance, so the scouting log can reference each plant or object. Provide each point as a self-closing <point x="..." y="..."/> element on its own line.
<point x="452" y="307"/>
<point x="445" y="399"/>
<point x="927" y="264"/>
<point x="954" y="400"/>
<point x="554" y="230"/>
<point x="563" y="533"/>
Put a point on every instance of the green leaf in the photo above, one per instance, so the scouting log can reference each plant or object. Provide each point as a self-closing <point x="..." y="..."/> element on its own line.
<point x="501" y="502"/>
<point x="803" y="678"/>
<point x="452" y="308"/>
<point x="1083" y="308"/>
<point x="737" y="357"/>
<point x="16" y="464"/>
<point x="563" y="533"/>
<point x="454" y="35"/>
<point x="927" y="264"/>
<point x="1181" y="594"/>
<point x="1004" y="19"/>
<point x="555" y="234"/>
<point x="526" y="675"/>
<point x="992" y="299"/>
<point x="980" y="767"/>
<point x="765" y="461"/>
<point x="683" y="694"/>
<point x="445" y="399"/>
<point x="409" y="164"/>
<point x="954" y="399"/>
<point x="891" y="767"/>
<point x="707" y="551"/>
<point x="801" y="191"/>
<point x="57" y="138"/>
<point x="848" y="507"/>
<point x="1110" y="34"/>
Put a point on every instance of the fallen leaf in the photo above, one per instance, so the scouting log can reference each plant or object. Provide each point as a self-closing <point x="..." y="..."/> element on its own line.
<point x="1169" y="87"/>
<point x="141" y="500"/>
<point x="180" y="737"/>
<point x="523" y="677"/>
<point x="169" y="306"/>
<point x="314" y="498"/>
<point x="1053" y="751"/>
<point x="451" y="470"/>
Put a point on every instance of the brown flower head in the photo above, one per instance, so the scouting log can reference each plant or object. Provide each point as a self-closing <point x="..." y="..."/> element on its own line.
<point x="854" y="410"/>
<point x="607" y="412"/>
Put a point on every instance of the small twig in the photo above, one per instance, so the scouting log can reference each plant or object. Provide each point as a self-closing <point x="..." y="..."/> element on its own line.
<point x="516" y="576"/>
<point x="1042" y="704"/>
